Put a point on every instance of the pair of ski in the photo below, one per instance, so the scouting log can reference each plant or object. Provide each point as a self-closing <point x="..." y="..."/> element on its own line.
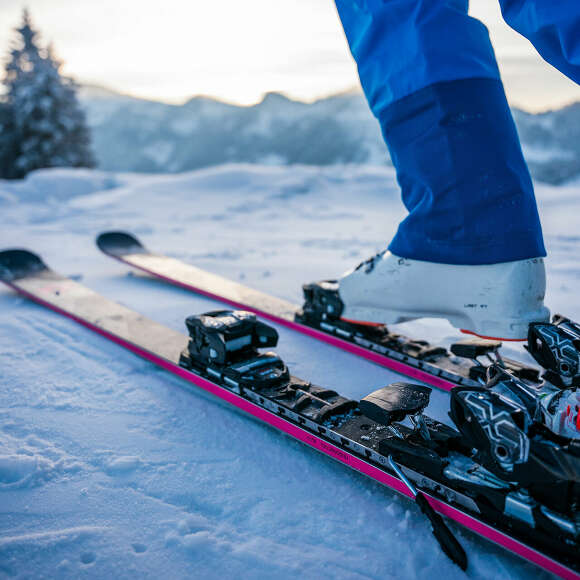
<point x="315" y="416"/>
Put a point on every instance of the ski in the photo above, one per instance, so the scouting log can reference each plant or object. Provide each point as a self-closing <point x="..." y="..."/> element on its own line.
<point x="465" y="364"/>
<point x="510" y="472"/>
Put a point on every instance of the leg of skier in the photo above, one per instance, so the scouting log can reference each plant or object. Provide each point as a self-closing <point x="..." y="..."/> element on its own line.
<point x="552" y="27"/>
<point x="471" y="249"/>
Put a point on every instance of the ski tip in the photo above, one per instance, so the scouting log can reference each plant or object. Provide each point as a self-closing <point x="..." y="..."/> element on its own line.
<point x="119" y="244"/>
<point x="17" y="263"/>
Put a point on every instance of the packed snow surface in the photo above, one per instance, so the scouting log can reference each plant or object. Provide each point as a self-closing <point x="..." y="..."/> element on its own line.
<point x="112" y="468"/>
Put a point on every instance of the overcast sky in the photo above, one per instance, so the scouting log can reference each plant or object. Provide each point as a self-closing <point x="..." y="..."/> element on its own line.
<point x="237" y="50"/>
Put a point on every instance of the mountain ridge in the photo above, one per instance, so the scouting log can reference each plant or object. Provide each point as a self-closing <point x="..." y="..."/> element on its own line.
<point x="141" y="135"/>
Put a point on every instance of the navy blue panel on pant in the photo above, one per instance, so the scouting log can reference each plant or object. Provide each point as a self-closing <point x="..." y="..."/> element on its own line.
<point x="462" y="175"/>
<point x="430" y="76"/>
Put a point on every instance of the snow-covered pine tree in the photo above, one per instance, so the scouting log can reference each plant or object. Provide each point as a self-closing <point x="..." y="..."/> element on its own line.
<point x="7" y="142"/>
<point x="49" y="126"/>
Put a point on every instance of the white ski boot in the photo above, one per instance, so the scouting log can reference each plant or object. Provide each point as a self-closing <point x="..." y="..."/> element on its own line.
<point x="490" y="301"/>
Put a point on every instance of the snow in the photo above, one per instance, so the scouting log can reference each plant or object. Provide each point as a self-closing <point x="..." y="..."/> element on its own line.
<point x="159" y="152"/>
<point x="542" y="154"/>
<point x="111" y="468"/>
<point x="59" y="185"/>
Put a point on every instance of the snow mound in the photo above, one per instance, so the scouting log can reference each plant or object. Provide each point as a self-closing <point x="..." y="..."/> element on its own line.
<point x="28" y="461"/>
<point x="6" y="196"/>
<point x="57" y="185"/>
<point x="121" y="465"/>
<point x="23" y="470"/>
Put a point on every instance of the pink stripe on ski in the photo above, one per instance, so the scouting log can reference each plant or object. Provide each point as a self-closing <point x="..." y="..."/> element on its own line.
<point x="527" y="553"/>
<point x="397" y="366"/>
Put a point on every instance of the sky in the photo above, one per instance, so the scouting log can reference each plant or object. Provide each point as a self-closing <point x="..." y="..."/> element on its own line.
<point x="238" y="50"/>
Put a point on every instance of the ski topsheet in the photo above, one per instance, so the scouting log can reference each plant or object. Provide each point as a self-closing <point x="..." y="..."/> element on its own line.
<point x="27" y="274"/>
<point x="415" y="359"/>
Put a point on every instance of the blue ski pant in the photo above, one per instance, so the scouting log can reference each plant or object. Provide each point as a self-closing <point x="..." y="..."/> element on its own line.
<point x="429" y="74"/>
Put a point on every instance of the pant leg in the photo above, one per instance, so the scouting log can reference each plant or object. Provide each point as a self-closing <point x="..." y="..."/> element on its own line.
<point x="552" y="26"/>
<point x="401" y="46"/>
<point x="430" y="77"/>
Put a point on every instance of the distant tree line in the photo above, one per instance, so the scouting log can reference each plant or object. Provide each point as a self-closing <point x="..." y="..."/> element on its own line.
<point x="41" y="122"/>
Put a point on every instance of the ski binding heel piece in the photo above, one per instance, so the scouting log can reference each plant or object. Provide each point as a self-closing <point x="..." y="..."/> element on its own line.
<point x="225" y="344"/>
<point x="321" y="301"/>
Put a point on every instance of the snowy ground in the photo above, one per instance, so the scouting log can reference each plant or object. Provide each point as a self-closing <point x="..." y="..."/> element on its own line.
<point x="111" y="468"/>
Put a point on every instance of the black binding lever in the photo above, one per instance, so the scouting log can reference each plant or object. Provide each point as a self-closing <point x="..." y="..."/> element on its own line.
<point x="442" y="533"/>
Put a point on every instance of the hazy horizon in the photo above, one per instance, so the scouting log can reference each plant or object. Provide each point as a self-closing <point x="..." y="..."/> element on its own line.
<point x="225" y="100"/>
<point x="238" y="52"/>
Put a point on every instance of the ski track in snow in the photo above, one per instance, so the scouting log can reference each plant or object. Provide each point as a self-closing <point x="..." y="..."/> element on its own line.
<point x="111" y="468"/>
